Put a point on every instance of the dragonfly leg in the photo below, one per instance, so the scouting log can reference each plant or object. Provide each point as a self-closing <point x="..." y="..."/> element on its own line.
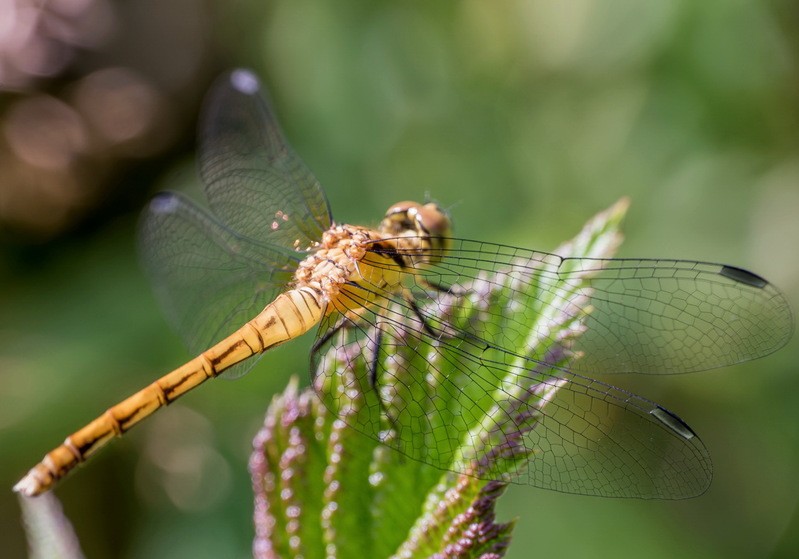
<point x="439" y="334"/>
<point x="456" y="290"/>
<point x="446" y="332"/>
<point x="374" y="366"/>
<point x="374" y="363"/>
<point x="329" y="334"/>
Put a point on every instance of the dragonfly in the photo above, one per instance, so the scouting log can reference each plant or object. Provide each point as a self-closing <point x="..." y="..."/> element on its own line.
<point x="446" y="333"/>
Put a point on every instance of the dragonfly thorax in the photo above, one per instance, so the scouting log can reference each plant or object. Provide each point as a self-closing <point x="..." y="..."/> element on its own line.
<point x="352" y="263"/>
<point x="335" y="261"/>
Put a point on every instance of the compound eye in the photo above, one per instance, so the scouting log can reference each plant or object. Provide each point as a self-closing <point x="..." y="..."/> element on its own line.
<point x="400" y="219"/>
<point x="433" y="220"/>
<point x="401" y="209"/>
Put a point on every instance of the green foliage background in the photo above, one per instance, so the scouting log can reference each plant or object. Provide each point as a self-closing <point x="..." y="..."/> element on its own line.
<point x="525" y="118"/>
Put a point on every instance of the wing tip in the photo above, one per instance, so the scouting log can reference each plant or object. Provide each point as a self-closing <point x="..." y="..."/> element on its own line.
<point x="164" y="203"/>
<point x="244" y="81"/>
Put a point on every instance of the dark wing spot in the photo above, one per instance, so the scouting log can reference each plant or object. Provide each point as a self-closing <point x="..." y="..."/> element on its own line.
<point x="743" y="276"/>
<point x="673" y="422"/>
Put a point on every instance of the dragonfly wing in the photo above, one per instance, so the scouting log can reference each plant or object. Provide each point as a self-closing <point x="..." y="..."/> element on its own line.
<point x="642" y="316"/>
<point x="254" y="182"/>
<point x="674" y="316"/>
<point x="208" y="279"/>
<point x="460" y="404"/>
<point x="476" y="365"/>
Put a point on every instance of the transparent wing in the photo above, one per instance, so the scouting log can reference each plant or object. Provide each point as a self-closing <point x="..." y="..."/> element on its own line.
<point x="477" y="364"/>
<point x="254" y="182"/>
<point x="208" y="279"/>
<point x="452" y="401"/>
<point x="641" y="316"/>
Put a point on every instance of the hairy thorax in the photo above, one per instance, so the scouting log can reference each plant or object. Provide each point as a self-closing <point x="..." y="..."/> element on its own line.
<point x="352" y="266"/>
<point x="336" y="260"/>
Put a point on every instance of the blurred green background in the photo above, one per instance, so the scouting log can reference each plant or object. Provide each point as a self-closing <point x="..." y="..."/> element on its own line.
<point x="524" y="118"/>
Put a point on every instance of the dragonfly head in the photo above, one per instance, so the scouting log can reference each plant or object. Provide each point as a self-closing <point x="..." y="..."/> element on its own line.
<point x="427" y="221"/>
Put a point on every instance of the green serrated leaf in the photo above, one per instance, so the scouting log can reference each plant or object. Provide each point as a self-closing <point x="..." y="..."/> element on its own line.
<point x="287" y="471"/>
<point x="349" y="495"/>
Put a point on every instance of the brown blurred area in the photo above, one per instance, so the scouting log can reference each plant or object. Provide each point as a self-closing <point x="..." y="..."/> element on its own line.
<point x="523" y="117"/>
<point x="89" y="89"/>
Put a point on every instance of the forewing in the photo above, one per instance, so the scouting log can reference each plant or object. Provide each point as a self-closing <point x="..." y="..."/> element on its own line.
<point x="642" y="316"/>
<point x="209" y="280"/>
<point x="254" y="182"/>
<point x="401" y="374"/>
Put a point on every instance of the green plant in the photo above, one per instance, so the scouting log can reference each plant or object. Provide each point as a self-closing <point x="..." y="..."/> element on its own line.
<point x="323" y="489"/>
